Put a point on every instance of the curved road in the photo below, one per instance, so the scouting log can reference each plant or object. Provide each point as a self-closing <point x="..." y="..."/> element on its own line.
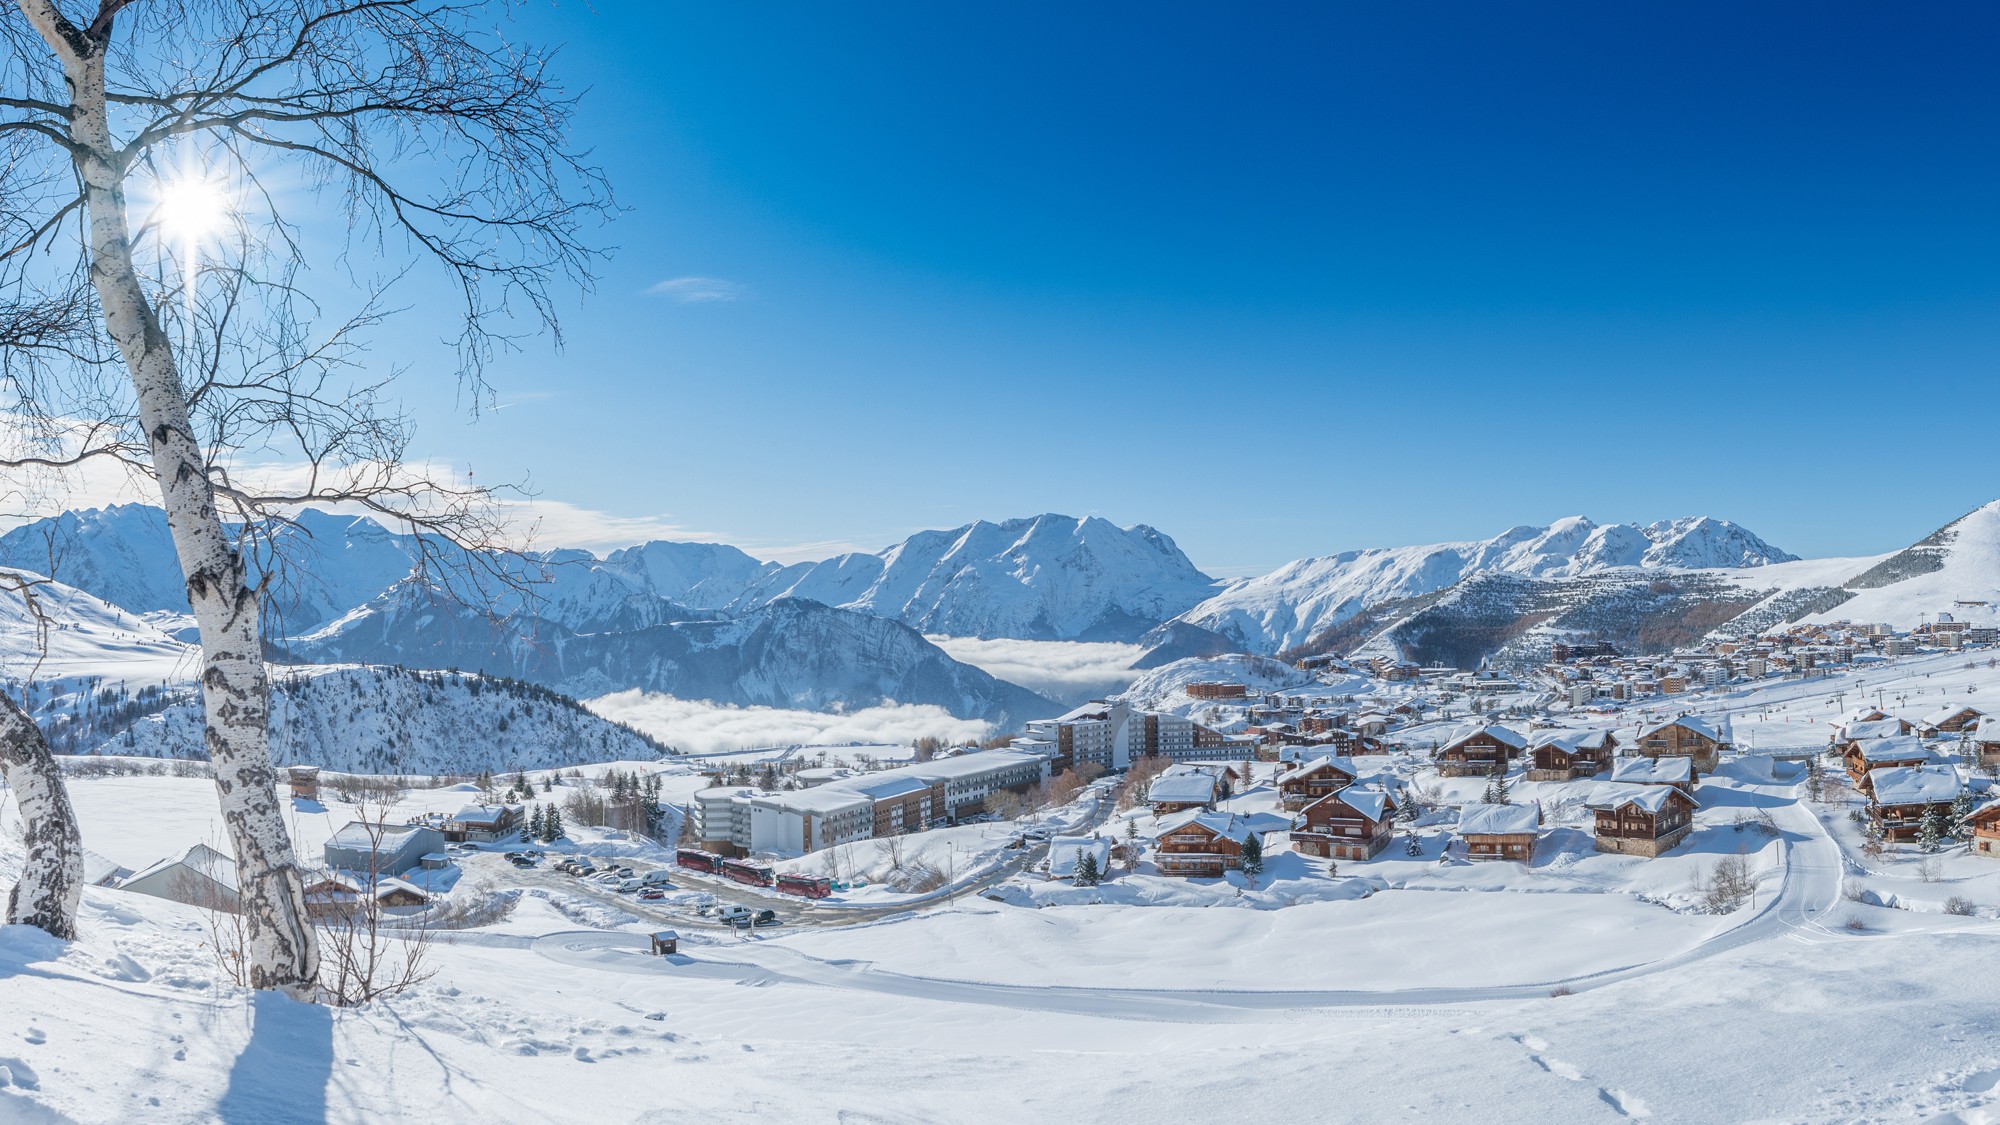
<point x="1810" y="878"/>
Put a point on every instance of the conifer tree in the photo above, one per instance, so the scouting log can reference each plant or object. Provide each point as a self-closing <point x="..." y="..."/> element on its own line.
<point x="1412" y="845"/>
<point x="1253" y="856"/>
<point x="535" y="824"/>
<point x="1086" y="870"/>
<point x="1930" y="832"/>
<point x="1496" y="789"/>
<point x="552" y="826"/>
<point x="1961" y="807"/>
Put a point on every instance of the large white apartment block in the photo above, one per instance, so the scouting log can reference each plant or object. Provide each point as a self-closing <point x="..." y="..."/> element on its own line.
<point x="1099" y="731"/>
<point x="887" y="802"/>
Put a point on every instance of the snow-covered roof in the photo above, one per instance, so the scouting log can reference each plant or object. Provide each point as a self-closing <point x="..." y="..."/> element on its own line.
<point x="1184" y="788"/>
<point x="1914" y="785"/>
<point x="1859" y="715"/>
<point x="1647" y="798"/>
<point x="1988" y="729"/>
<point x="1065" y="852"/>
<point x="1498" y="820"/>
<point x="390" y="885"/>
<point x="1880" y="728"/>
<point x="360" y="835"/>
<point x="487" y="816"/>
<point x="1653" y="771"/>
<point x="1695" y="723"/>
<point x="1506" y="736"/>
<point x="1229" y="826"/>
<point x="200" y="859"/>
<point x="1325" y="761"/>
<point x="1948" y="712"/>
<point x="1570" y="739"/>
<point x="1370" y="798"/>
<point x="1902" y="747"/>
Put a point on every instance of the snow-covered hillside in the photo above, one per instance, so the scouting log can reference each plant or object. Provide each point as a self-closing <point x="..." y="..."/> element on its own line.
<point x="1046" y="579"/>
<point x="789" y="654"/>
<point x="1165" y="688"/>
<point x="77" y="635"/>
<point x="1299" y="601"/>
<point x="1944" y="572"/>
<point x="391" y="721"/>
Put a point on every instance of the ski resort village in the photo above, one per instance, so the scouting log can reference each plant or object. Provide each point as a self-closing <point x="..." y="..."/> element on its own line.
<point x="646" y="562"/>
<point x="1789" y="821"/>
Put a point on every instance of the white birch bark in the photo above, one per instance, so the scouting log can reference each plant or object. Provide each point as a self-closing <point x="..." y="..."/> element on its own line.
<point x="281" y="947"/>
<point x="51" y="883"/>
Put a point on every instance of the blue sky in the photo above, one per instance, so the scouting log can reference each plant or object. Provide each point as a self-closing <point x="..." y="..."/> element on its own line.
<point x="1277" y="279"/>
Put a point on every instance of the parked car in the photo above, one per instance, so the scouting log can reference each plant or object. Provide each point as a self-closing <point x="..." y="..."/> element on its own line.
<point x="627" y="886"/>
<point x="652" y="894"/>
<point x="766" y="917"/>
<point x="659" y="878"/>
<point x="733" y="914"/>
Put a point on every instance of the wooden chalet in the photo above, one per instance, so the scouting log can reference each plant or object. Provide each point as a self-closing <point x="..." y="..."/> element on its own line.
<point x="1355" y="823"/>
<point x="482" y="823"/>
<point x="1903" y="751"/>
<point x="1950" y="719"/>
<point x="1201" y="845"/>
<point x="1852" y="734"/>
<point x="396" y="892"/>
<point x="1685" y="737"/>
<point x="1312" y="780"/>
<point x="304" y="781"/>
<point x="1500" y="831"/>
<point x="332" y="895"/>
<point x="1985" y="825"/>
<point x="1564" y="755"/>
<point x="1901" y="796"/>
<point x="1473" y="750"/>
<point x="1986" y="742"/>
<point x="1646" y="820"/>
<point x="666" y="943"/>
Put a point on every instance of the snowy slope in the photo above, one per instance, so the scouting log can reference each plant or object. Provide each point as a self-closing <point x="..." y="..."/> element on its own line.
<point x="1047" y="578"/>
<point x="1291" y="605"/>
<point x="392" y="721"/>
<point x="84" y="637"/>
<point x="1958" y="562"/>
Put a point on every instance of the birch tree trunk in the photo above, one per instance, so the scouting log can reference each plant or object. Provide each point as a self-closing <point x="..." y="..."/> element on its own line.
<point x="281" y="947"/>
<point x="51" y="882"/>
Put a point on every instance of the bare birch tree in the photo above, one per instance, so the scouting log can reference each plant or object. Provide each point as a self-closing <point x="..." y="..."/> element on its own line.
<point x="51" y="882"/>
<point x="439" y="142"/>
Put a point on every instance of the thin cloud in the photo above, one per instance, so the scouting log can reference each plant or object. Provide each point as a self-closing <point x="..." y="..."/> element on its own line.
<point x="1066" y="671"/>
<point x="699" y="290"/>
<point x="695" y="726"/>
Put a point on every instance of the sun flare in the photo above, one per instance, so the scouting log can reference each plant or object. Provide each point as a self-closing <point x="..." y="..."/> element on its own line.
<point x="191" y="209"/>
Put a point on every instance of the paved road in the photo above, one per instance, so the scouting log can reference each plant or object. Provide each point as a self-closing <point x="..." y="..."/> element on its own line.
<point x="1809" y="887"/>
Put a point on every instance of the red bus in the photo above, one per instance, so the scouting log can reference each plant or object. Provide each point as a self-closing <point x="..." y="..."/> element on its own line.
<point x="793" y="883"/>
<point x="698" y="860"/>
<point x="751" y="873"/>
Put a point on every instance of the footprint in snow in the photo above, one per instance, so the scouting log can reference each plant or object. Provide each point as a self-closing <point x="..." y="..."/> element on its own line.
<point x="1624" y="1103"/>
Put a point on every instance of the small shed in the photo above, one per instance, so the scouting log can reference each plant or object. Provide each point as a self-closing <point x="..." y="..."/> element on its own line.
<point x="305" y="782"/>
<point x="435" y="861"/>
<point x="397" y="892"/>
<point x="666" y="942"/>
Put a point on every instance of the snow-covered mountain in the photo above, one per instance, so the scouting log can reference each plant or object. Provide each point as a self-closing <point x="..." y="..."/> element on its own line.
<point x="1301" y="600"/>
<point x="1955" y="570"/>
<point x="791" y="653"/>
<point x="56" y="632"/>
<point x="392" y="721"/>
<point x="1049" y="578"/>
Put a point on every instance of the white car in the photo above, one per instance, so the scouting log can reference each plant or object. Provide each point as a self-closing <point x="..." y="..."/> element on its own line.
<point x="731" y="912"/>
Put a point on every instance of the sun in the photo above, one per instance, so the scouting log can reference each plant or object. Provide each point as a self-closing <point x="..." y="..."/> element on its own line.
<point x="191" y="209"/>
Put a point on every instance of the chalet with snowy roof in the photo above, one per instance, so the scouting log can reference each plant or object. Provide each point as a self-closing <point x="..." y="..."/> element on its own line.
<point x="1173" y="792"/>
<point x="1202" y="845"/>
<point x="1563" y="755"/>
<point x="1688" y="736"/>
<point x="1656" y="771"/>
<point x="199" y="876"/>
<point x="1500" y="831"/>
<point x="1852" y="733"/>
<point x="398" y="892"/>
<point x="332" y="894"/>
<point x="1312" y="780"/>
<point x="304" y="781"/>
<point x="1473" y="750"/>
<point x="1863" y="758"/>
<point x="1950" y="719"/>
<point x="1644" y="820"/>
<point x="1984" y="823"/>
<point x="482" y="824"/>
<point x="1356" y="822"/>
<point x="1901" y="796"/>
<point x="1986" y="741"/>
